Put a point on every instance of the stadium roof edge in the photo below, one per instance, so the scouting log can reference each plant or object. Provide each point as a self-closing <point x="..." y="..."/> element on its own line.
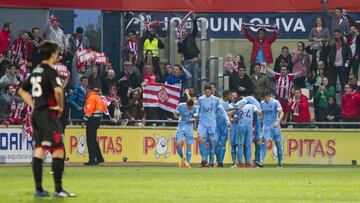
<point x="186" y="5"/>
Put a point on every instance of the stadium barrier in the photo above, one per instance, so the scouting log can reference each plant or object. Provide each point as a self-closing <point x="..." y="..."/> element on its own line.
<point x="157" y="144"/>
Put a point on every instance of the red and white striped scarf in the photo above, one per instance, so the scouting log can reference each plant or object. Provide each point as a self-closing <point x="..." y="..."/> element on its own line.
<point x="151" y="79"/>
<point x="283" y="85"/>
<point x="20" y="50"/>
<point x="181" y="27"/>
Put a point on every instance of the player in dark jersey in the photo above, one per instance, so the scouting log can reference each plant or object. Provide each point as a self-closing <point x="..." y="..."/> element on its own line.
<point x="48" y="103"/>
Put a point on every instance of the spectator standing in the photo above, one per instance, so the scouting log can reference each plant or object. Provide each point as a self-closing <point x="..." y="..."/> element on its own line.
<point x="55" y="33"/>
<point x="190" y="51"/>
<point x="301" y="62"/>
<point x="354" y="43"/>
<point x="284" y="59"/>
<point x="36" y="40"/>
<point x="229" y="65"/>
<point x="77" y="99"/>
<point x="6" y="100"/>
<point x="115" y="112"/>
<point x="353" y="81"/>
<point x="339" y="58"/>
<point x="128" y="82"/>
<point x="322" y="95"/>
<point x="339" y="22"/>
<point x="94" y="78"/>
<point x="300" y="108"/>
<point x="5" y="37"/>
<point x="260" y="80"/>
<point x="132" y="45"/>
<point x="350" y="102"/>
<point x="169" y="69"/>
<point x="333" y="112"/>
<point x="261" y="51"/>
<point x="241" y="82"/>
<point x="153" y="43"/>
<point x="22" y="48"/>
<point x="283" y="81"/>
<point x="319" y="36"/>
<point x="149" y="76"/>
<point x="108" y="81"/>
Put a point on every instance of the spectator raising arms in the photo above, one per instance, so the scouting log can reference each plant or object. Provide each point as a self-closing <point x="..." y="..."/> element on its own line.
<point x="188" y="48"/>
<point x="55" y="33"/>
<point x="261" y="51"/>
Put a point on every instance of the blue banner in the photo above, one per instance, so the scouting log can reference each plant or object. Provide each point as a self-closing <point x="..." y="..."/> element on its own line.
<point x="228" y="25"/>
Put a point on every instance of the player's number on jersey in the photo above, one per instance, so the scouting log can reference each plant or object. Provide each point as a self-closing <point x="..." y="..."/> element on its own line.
<point x="36" y="87"/>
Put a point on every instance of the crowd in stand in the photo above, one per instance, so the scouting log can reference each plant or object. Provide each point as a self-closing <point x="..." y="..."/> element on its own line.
<point x="330" y="52"/>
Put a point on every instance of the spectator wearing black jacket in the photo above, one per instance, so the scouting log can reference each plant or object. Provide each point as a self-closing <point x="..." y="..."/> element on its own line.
<point x="36" y="40"/>
<point x="188" y="48"/>
<point x="339" y="58"/>
<point x="333" y="111"/>
<point x="128" y="81"/>
<point x="241" y="82"/>
<point x="354" y="42"/>
<point x="283" y="58"/>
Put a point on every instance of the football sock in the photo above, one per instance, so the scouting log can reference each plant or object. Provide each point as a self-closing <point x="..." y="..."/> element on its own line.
<point x="180" y="152"/>
<point x="257" y="152"/>
<point x="233" y="154"/>
<point x="263" y="152"/>
<point x="212" y="152"/>
<point x="203" y="152"/>
<point x="279" y="152"/>
<point x="240" y="152"/>
<point x="247" y="153"/>
<point x="57" y="168"/>
<point x="188" y="154"/>
<point x="37" y="172"/>
<point x="222" y="153"/>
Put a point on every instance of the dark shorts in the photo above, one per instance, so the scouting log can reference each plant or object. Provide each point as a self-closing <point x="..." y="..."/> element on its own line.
<point x="47" y="131"/>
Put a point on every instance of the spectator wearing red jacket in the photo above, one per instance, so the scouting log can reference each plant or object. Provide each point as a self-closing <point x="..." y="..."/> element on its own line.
<point x="350" y="102"/>
<point x="261" y="51"/>
<point x="22" y="48"/>
<point x="5" y="37"/>
<point x="299" y="107"/>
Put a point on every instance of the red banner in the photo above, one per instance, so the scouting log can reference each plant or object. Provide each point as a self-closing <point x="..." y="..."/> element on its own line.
<point x="187" y="5"/>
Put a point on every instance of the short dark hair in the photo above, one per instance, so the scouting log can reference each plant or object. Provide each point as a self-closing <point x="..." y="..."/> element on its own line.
<point x="322" y="21"/>
<point x="207" y="87"/>
<point x="256" y="64"/>
<point x="242" y="66"/>
<point x="83" y="78"/>
<point x="47" y="48"/>
<point x="355" y="76"/>
<point x="266" y="92"/>
<point x="261" y="29"/>
<point x="190" y="102"/>
<point x="337" y="30"/>
<point x="7" y="25"/>
<point x="79" y="30"/>
<point x="35" y="28"/>
<point x="340" y="9"/>
<point x="131" y="31"/>
<point x="302" y="43"/>
<point x="226" y="93"/>
<point x="284" y="47"/>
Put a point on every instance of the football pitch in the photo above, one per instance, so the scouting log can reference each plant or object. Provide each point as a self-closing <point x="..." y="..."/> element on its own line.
<point x="170" y="184"/>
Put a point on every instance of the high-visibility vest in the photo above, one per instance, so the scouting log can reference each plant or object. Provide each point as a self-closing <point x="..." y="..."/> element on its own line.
<point x="153" y="46"/>
<point x="94" y="106"/>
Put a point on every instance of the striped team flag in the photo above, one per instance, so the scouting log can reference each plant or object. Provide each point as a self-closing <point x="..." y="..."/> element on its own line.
<point x="164" y="96"/>
<point x="181" y="27"/>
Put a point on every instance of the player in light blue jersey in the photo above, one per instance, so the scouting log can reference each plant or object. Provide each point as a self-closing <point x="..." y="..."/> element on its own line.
<point x="245" y="132"/>
<point x="185" y="112"/>
<point x="234" y="118"/>
<point x="222" y="131"/>
<point x="271" y="115"/>
<point x="251" y="100"/>
<point x="208" y="106"/>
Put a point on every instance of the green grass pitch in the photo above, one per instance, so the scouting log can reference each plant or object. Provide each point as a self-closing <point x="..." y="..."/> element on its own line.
<point x="170" y="184"/>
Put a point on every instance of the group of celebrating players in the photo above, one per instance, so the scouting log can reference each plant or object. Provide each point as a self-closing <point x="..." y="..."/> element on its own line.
<point x="245" y="116"/>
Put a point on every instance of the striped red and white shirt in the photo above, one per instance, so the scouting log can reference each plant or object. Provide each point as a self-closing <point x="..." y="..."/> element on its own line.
<point x="283" y="84"/>
<point x="164" y="96"/>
